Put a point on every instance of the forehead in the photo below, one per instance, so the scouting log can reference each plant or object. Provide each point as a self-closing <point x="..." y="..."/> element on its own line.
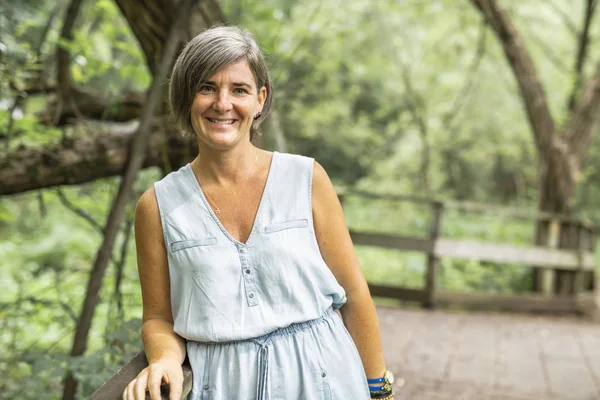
<point x="238" y="72"/>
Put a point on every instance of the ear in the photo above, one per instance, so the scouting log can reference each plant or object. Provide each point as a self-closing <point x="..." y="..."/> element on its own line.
<point x="262" y="97"/>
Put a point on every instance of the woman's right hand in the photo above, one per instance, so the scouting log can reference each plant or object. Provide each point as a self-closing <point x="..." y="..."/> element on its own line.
<point x="167" y="370"/>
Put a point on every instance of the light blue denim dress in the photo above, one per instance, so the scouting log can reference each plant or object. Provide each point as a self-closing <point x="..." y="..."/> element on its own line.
<point x="259" y="316"/>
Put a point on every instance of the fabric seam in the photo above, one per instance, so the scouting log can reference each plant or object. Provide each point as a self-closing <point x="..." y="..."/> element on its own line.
<point x="163" y="220"/>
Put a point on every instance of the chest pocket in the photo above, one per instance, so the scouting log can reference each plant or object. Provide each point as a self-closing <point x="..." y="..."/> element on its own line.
<point x="186" y="244"/>
<point x="281" y="226"/>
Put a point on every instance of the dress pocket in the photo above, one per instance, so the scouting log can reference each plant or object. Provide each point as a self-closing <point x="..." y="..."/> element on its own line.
<point x="185" y="244"/>
<point x="296" y="223"/>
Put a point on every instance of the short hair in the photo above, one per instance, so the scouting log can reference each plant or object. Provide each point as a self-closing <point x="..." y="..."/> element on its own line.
<point x="205" y="55"/>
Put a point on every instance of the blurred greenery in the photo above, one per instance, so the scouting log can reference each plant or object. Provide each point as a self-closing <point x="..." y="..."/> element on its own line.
<point x="364" y="87"/>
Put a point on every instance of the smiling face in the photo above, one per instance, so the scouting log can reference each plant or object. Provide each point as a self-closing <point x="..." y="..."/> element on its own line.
<point x="225" y="106"/>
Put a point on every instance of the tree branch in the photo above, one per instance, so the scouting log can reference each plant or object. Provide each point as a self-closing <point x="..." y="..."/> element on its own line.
<point x="582" y="51"/>
<point x="42" y="302"/>
<point x="586" y="113"/>
<point x="547" y="49"/>
<point x="532" y="92"/>
<point x="136" y="159"/>
<point x="63" y="57"/>
<point x="463" y="93"/>
<point x="417" y="109"/>
<point x="67" y="203"/>
<point x="19" y="98"/>
<point x="565" y="17"/>
<point x="74" y="102"/>
<point x="92" y="106"/>
<point x="120" y="264"/>
<point x="100" y="152"/>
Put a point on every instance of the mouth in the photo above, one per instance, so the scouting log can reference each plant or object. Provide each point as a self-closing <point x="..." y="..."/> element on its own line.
<point x="221" y="121"/>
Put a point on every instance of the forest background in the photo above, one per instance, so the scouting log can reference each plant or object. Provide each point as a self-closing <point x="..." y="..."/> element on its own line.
<point x="404" y="97"/>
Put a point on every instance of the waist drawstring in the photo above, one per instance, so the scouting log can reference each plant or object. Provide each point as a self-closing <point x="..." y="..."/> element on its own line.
<point x="262" y="390"/>
<point x="263" y="343"/>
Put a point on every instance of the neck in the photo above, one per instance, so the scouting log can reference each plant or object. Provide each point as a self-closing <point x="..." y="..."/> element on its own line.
<point x="226" y="167"/>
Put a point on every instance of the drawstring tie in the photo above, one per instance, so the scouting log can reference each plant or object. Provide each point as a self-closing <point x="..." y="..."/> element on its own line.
<point x="262" y="392"/>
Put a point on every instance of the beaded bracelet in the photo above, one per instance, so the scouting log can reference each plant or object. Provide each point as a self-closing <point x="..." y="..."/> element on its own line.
<point x="386" y="396"/>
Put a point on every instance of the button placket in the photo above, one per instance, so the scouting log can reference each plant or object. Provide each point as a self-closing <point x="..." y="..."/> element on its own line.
<point x="248" y="277"/>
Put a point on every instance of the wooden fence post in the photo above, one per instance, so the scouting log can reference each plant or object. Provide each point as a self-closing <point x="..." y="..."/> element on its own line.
<point x="546" y="276"/>
<point x="582" y="247"/>
<point x="434" y="231"/>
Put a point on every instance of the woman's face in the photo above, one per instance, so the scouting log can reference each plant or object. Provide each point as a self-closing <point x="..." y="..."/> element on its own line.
<point x="225" y="106"/>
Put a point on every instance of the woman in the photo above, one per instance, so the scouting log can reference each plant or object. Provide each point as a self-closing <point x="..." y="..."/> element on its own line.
<point x="244" y="254"/>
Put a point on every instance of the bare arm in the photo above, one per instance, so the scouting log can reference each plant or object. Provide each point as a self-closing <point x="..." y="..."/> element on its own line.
<point x="336" y="247"/>
<point x="165" y="350"/>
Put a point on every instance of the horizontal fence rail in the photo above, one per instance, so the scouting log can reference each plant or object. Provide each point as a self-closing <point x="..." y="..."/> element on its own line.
<point x="539" y="257"/>
<point x="577" y="258"/>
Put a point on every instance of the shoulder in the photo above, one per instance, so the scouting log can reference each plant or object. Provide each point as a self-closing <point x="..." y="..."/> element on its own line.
<point x="319" y="174"/>
<point x="148" y="225"/>
<point x="146" y="209"/>
<point x="323" y="191"/>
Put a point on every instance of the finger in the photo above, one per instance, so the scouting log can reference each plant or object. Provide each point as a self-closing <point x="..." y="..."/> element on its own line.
<point x="125" y="395"/>
<point x="175" y="388"/>
<point x="154" y="381"/>
<point x="129" y="389"/>
<point x="139" y="389"/>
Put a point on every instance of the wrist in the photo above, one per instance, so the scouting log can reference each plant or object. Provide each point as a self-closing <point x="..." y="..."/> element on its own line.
<point x="381" y="387"/>
<point x="165" y="358"/>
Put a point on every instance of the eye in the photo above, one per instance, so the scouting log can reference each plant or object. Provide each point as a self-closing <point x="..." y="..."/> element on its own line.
<point x="206" y="89"/>
<point x="240" y="91"/>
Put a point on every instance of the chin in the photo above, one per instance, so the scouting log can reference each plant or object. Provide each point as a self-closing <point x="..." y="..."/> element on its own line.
<point x="221" y="141"/>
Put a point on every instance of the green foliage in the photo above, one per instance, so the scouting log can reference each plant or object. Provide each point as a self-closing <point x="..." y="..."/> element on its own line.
<point x="367" y="88"/>
<point x="46" y="265"/>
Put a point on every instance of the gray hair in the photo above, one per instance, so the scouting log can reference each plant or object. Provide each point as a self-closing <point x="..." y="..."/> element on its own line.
<point x="205" y="55"/>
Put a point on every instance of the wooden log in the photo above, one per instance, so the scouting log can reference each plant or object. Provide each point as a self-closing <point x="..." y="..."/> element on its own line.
<point x="101" y="153"/>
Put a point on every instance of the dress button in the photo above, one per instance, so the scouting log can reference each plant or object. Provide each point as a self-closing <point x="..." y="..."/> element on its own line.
<point x="243" y="250"/>
<point x="205" y="387"/>
<point x="251" y="295"/>
<point x="323" y="374"/>
<point x="248" y="270"/>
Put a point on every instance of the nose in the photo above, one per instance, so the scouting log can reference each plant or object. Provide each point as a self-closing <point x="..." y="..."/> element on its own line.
<point x="222" y="103"/>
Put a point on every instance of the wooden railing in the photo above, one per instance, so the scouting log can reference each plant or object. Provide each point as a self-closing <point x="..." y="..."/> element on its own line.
<point x="579" y="259"/>
<point x="576" y="264"/>
<point x="114" y="387"/>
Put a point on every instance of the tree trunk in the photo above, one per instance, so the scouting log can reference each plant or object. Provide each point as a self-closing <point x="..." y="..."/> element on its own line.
<point x="135" y="162"/>
<point x="150" y="22"/>
<point x="560" y="153"/>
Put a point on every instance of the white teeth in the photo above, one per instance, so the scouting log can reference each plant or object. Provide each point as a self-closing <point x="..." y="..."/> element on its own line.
<point x="222" y="122"/>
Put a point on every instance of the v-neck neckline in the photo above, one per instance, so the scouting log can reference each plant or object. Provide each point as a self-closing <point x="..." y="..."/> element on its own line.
<point x="214" y="216"/>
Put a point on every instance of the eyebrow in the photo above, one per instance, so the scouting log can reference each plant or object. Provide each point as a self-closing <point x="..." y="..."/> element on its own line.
<point x="237" y="84"/>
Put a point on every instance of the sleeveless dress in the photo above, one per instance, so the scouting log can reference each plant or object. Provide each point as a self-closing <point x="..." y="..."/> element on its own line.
<point x="258" y="317"/>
